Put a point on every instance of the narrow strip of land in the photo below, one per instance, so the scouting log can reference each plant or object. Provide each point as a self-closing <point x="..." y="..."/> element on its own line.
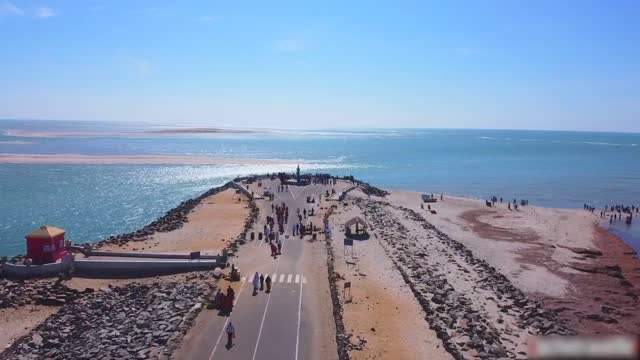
<point x="132" y="159"/>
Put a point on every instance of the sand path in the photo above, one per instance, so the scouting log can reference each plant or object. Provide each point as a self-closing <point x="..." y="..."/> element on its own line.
<point x="382" y="310"/>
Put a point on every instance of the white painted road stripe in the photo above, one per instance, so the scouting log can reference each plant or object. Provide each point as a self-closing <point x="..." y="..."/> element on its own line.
<point x="299" y="313"/>
<point x="297" y="278"/>
<point x="281" y="278"/>
<point x="304" y="280"/>
<point x="289" y="279"/>
<point x="243" y="279"/>
<point x="274" y="277"/>
<point x="264" y="315"/>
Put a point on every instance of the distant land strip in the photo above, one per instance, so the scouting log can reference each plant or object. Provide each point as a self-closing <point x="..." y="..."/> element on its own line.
<point x="131" y="159"/>
<point x="192" y="131"/>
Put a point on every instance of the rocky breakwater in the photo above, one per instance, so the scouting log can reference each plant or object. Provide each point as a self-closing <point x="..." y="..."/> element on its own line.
<point x="343" y="340"/>
<point x="14" y="294"/>
<point x="475" y="310"/>
<point x="172" y="220"/>
<point x="372" y="190"/>
<point x="137" y="321"/>
<point x="254" y="213"/>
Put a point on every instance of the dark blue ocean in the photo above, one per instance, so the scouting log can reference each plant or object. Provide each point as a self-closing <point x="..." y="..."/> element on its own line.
<point x="91" y="202"/>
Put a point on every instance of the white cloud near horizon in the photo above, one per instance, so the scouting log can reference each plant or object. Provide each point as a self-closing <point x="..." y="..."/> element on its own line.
<point x="10" y="9"/>
<point x="45" y="12"/>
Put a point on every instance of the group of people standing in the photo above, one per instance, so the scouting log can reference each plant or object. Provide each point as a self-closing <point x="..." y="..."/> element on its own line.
<point x="495" y="199"/>
<point x="224" y="302"/>
<point x="259" y="281"/>
<point x="617" y="212"/>
<point x="324" y="179"/>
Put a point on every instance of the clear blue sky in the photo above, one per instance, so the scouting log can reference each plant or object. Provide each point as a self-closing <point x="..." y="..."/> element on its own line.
<point x="571" y="65"/>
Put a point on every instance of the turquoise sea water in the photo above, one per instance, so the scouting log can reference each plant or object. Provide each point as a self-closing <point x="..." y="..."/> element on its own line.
<point x="557" y="169"/>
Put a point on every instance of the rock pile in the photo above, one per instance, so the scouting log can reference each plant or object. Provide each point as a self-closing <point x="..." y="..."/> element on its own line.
<point x="136" y="321"/>
<point x="474" y="310"/>
<point x="14" y="294"/>
<point x="372" y="190"/>
<point x="172" y="220"/>
<point x="342" y="339"/>
<point x="254" y="213"/>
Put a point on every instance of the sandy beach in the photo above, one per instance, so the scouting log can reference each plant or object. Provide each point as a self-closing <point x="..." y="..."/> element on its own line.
<point x="89" y="134"/>
<point x="16" y="142"/>
<point x="558" y="256"/>
<point x="131" y="159"/>
<point x="381" y="309"/>
<point x="560" y="260"/>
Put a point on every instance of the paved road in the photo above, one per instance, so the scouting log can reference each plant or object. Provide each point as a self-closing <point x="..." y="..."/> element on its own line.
<point x="271" y="326"/>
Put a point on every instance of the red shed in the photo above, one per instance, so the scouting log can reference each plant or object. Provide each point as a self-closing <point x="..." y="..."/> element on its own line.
<point x="46" y="245"/>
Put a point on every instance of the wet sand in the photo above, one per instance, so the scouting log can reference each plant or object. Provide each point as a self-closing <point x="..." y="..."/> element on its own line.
<point x="131" y="159"/>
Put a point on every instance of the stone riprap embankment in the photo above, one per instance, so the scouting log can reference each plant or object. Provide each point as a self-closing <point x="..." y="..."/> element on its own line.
<point x="343" y="341"/>
<point x="475" y="310"/>
<point x="14" y="294"/>
<point x="252" y="218"/>
<point x="137" y="321"/>
<point x="372" y="190"/>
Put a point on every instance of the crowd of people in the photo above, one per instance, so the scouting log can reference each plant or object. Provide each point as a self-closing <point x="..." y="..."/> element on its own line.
<point x="616" y="213"/>
<point x="324" y="179"/>
<point x="273" y="229"/>
<point x="495" y="199"/>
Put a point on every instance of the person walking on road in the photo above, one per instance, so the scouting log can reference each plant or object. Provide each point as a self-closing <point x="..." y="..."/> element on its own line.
<point x="256" y="282"/>
<point x="279" y="247"/>
<point x="268" y="282"/>
<point x="261" y="282"/>
<point x="231" y="334"/>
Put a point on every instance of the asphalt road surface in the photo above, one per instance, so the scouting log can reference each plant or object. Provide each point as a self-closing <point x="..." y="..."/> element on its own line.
<point x="278" y="325"/>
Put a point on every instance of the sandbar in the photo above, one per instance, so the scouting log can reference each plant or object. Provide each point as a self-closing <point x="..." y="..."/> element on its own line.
<point x="88" y="134"/>
<point x="131" y="159"/>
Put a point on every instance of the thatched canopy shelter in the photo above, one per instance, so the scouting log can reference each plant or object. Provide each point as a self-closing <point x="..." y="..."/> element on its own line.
<point x="360" y="224"/>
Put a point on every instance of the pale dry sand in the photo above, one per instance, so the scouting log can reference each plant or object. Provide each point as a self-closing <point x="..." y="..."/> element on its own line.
<point x="19" y="322"/>
<point x="529" y="245"/>
<point x="131" y="159"/>
<point x="382" y="310"/>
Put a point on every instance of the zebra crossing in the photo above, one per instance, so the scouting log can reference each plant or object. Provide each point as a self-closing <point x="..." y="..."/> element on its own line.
<point x="280" y="278"/>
